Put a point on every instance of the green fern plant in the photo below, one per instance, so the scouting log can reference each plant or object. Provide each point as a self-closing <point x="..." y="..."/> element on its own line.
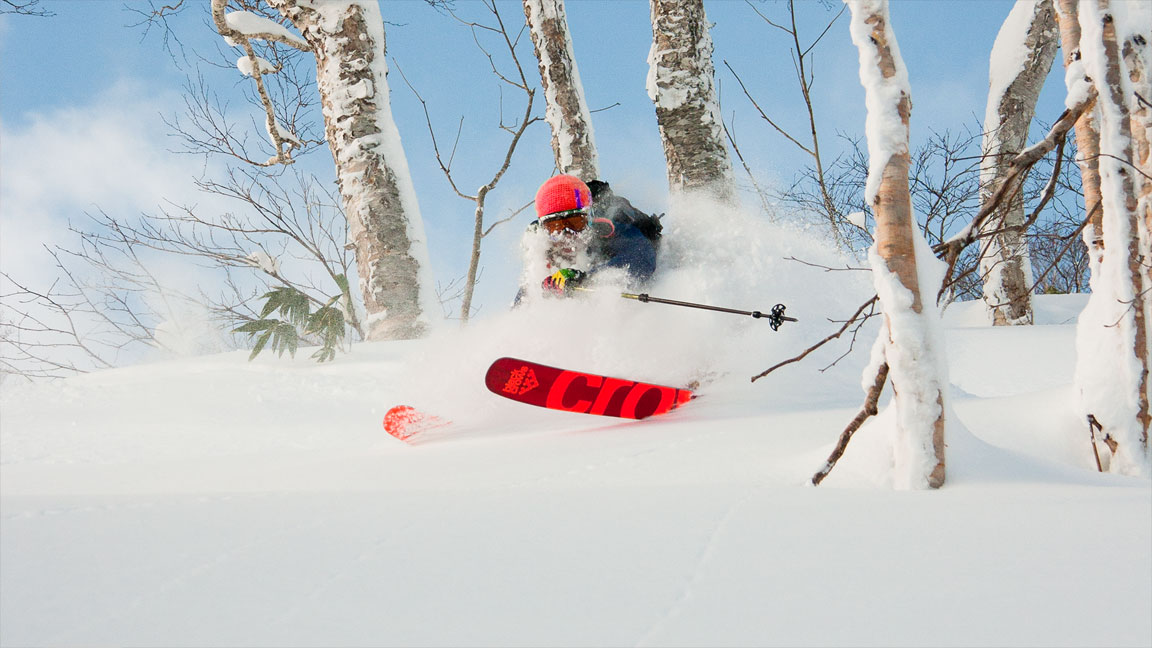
<point x="296" y="317"/>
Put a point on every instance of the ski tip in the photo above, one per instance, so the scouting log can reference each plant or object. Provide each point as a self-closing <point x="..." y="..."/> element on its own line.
<point x="403" y="421"/>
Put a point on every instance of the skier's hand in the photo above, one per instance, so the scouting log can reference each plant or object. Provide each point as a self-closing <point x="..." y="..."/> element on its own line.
<point x="562" y="282"/>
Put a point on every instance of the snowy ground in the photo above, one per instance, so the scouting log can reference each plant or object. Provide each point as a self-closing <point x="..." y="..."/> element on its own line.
<point x="213" y="501"/>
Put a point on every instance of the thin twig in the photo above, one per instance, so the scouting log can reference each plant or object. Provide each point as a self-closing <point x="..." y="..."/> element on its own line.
<point x="763" y="115"/>
<point x="510" y="216"/>
<point x="747" y="169"/>
<point x="828" y="268"/>
<point x="819" y="344"/>
<point x="1071" y="240"/>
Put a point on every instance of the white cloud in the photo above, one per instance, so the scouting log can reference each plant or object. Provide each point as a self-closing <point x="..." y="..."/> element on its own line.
<point x="107" y="155"/>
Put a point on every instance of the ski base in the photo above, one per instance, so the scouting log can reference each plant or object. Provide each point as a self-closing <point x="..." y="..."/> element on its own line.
<point x="575" y="391"/>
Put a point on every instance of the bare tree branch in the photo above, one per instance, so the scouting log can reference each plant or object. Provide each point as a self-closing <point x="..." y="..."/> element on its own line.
<point x="871" y="303"/>
<point x="25" y="8"/>
<point x="763" y="115"/>
<point x="870" y="409"/>
<point x="519" y="81"/>
<point x="828" y="268"/>
<point x="805" y="77"/>
<point x="950" y="249"/>
<point x="740" y="156"/>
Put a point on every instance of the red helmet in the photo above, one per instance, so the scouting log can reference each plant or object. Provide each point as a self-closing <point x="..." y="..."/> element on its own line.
<point x="560" y="194"/>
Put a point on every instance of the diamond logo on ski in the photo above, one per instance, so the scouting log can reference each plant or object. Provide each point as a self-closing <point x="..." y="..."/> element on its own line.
<point x="530" y="382"/>
<point x="522" y="381"/>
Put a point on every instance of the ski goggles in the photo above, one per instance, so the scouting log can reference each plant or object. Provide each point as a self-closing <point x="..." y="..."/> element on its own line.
<point x="574" y="220"/>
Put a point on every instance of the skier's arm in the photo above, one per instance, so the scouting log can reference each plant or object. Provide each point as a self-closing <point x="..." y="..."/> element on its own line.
<point x="633" y="251"/>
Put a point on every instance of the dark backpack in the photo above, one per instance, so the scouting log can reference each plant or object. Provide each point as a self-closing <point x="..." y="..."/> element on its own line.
<point x="649" y="225"/>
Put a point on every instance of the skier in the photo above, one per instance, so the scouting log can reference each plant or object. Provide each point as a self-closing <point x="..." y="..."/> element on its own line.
<point x="583" y="229"/>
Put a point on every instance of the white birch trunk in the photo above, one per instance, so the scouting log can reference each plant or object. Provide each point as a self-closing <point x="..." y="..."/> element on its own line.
<point x="681" y="82"/>
<point x="1138" y="57"/>
<point x="385" y="228"/>
<point x="1112" y="336"/>
<point x="1087" y="130"/>
<point x="565" y="110"/>
<point x="902" y="262"/>
<point x="1026" y="46"/>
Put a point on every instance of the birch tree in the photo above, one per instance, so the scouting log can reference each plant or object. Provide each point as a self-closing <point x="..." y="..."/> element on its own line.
<point x="1112" y="333"/>
<point x="566" y="109"/>
<point x="681" y="83"/>
<point x="1020" y="61"/>
<point x="909" y="350"/>
<point x="385" y="229"/>
<point x="1138" y="58"/>
<point x="1087" y="129"/>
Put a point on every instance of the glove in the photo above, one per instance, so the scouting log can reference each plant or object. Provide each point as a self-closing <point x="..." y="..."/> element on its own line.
<point x="562" y="282"/>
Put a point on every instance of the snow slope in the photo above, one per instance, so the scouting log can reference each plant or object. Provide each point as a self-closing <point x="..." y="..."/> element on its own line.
<point x="213" y="501"/>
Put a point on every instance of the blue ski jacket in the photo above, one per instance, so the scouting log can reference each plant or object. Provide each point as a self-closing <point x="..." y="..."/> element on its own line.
<point x="624" y="247"/>
<point x="616" y="245"/>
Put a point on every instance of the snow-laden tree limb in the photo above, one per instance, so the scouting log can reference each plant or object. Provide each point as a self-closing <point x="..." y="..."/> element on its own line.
<point x="239" y="26"/>
<point x="239" y="29"/>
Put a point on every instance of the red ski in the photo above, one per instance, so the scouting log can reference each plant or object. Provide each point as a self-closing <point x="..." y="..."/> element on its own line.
<point x="575" y="391"/>
<point x="558" y="389"/>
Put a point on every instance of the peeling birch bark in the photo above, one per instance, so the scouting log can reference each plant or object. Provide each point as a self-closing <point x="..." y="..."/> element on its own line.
<point x="681" y="82"/>
<point x="1112" y="334"/>
<point x="1138" y="58"/>
<point x="566" y="109"/>
<point x="1087" y="130"/>
<point x="913" y="360"/>
<point x="1005" y="267"/>
<point x="385" y="229"/>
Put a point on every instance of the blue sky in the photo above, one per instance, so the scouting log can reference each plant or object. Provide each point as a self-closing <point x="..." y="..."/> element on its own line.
<point x="82" y="94"/>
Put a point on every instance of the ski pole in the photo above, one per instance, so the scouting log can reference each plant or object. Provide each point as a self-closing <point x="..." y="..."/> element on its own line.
<point x="775" y="317"/>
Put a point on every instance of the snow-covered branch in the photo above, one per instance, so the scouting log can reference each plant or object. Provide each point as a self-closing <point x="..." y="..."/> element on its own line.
<point x="239" y="26"/>
<point x="239" y="29"/>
